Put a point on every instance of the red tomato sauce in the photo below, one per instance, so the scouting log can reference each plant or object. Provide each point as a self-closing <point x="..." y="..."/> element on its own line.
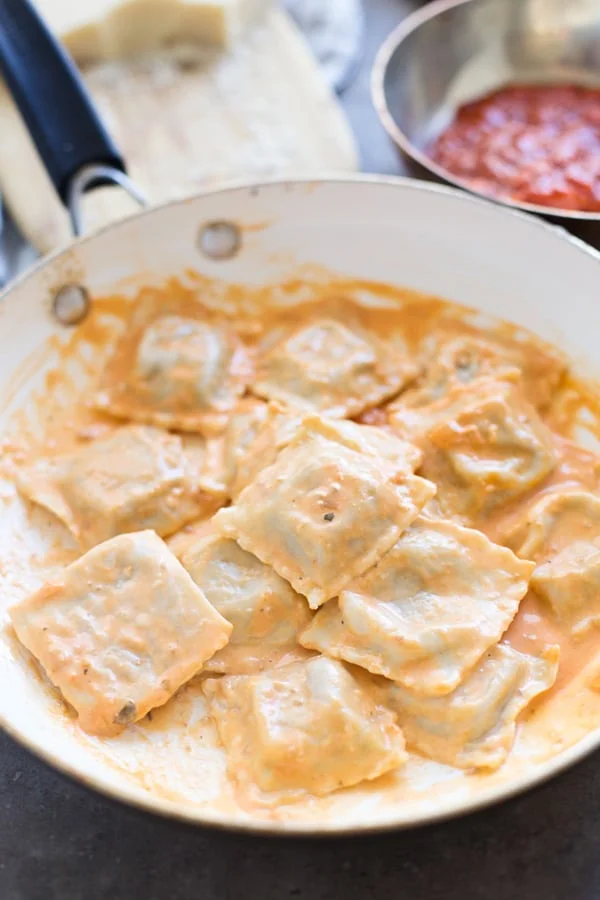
<point x="530" y="143"/>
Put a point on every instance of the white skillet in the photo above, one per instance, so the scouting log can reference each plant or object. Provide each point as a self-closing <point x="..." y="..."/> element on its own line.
<point x="408" y="233"/>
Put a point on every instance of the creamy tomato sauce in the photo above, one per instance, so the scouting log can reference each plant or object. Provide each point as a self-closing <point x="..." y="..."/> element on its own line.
<point x="535" y="144"/>
<point x="175" y="752"/>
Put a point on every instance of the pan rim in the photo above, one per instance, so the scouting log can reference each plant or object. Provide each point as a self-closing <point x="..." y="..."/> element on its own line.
<point x="309" y="181"/>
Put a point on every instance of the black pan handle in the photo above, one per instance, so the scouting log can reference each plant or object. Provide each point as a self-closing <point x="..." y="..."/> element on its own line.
<point x="72" y="141"/>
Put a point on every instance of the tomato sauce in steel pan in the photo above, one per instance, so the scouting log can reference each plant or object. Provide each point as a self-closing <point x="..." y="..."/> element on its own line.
<point x="535" y="144"/>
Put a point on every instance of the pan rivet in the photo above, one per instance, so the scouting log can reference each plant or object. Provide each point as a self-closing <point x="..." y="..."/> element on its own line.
<point x="71" y="304"/>
<point x="219" y="240"/>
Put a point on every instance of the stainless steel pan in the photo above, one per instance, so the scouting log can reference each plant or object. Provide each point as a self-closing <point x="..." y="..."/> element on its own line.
<point x="452" y="51"/>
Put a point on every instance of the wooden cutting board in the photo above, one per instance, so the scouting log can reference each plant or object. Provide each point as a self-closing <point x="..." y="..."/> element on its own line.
<point x="188" y="118"/>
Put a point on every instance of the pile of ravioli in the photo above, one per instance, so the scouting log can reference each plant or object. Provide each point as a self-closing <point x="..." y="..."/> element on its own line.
<point x="344" y="602"/>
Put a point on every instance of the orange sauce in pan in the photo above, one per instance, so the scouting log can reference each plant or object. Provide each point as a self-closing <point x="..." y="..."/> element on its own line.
<point x="401" y="315"/>
<point x="59" y="418"/>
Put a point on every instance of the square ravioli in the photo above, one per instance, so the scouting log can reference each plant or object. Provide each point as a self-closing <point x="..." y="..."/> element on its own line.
<point x="542" y="367"/>
<point x="492" y="452"/>
<point x="282" y="425"/>
<point x="465" y="358"/>
<point x="428" y="611"/>
<point x="266" y="613"/>
<point x="556" y="521"/>
<point x="304" y="728"/>
<point x="244" y="424"/>
<point x="120" y="630"/>
<point x="396" y="456"/>
<point x="177" y="372"/>
<point x="570" y="584"/>
<point x="331" y="367"/>
<point x="135" y="478"/>
<point x="322" y="514"/>
<point x="456" y="365"/>
<point x="254" y="438"/>
<point x="474" y="727"/>
<point x="562" y="533"/>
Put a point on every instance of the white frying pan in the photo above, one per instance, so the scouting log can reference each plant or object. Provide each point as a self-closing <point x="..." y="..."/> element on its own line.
<point x="403" y="232"/>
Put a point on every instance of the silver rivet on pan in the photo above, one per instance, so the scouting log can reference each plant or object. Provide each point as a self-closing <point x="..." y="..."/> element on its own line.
<point x="71" y="304"/>
<point x="219" y="240"/>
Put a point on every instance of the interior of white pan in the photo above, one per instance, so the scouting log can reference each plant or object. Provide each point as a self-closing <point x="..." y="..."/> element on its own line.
<point x="418" y="236"/>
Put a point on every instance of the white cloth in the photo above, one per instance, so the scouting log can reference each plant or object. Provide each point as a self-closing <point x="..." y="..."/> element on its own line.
<point x="333" y="29"/>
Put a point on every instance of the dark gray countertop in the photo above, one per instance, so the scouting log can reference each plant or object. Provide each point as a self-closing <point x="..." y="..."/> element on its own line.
<point x="60" y="842"/>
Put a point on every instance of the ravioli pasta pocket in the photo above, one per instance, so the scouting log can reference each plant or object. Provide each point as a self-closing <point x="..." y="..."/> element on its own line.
<point x="174" y="371"/>
<point x="562" y="534"/>
<point x="330" y="367"/>
<point x="137" y="477"/>
<point x="341" y="600"/>
<point x="120" y="630"/>
<point x="428" y="610"/>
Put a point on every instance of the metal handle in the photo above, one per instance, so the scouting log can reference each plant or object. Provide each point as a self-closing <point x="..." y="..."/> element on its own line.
<point x="93" y="176"/>
<point x="72" y="141"/>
